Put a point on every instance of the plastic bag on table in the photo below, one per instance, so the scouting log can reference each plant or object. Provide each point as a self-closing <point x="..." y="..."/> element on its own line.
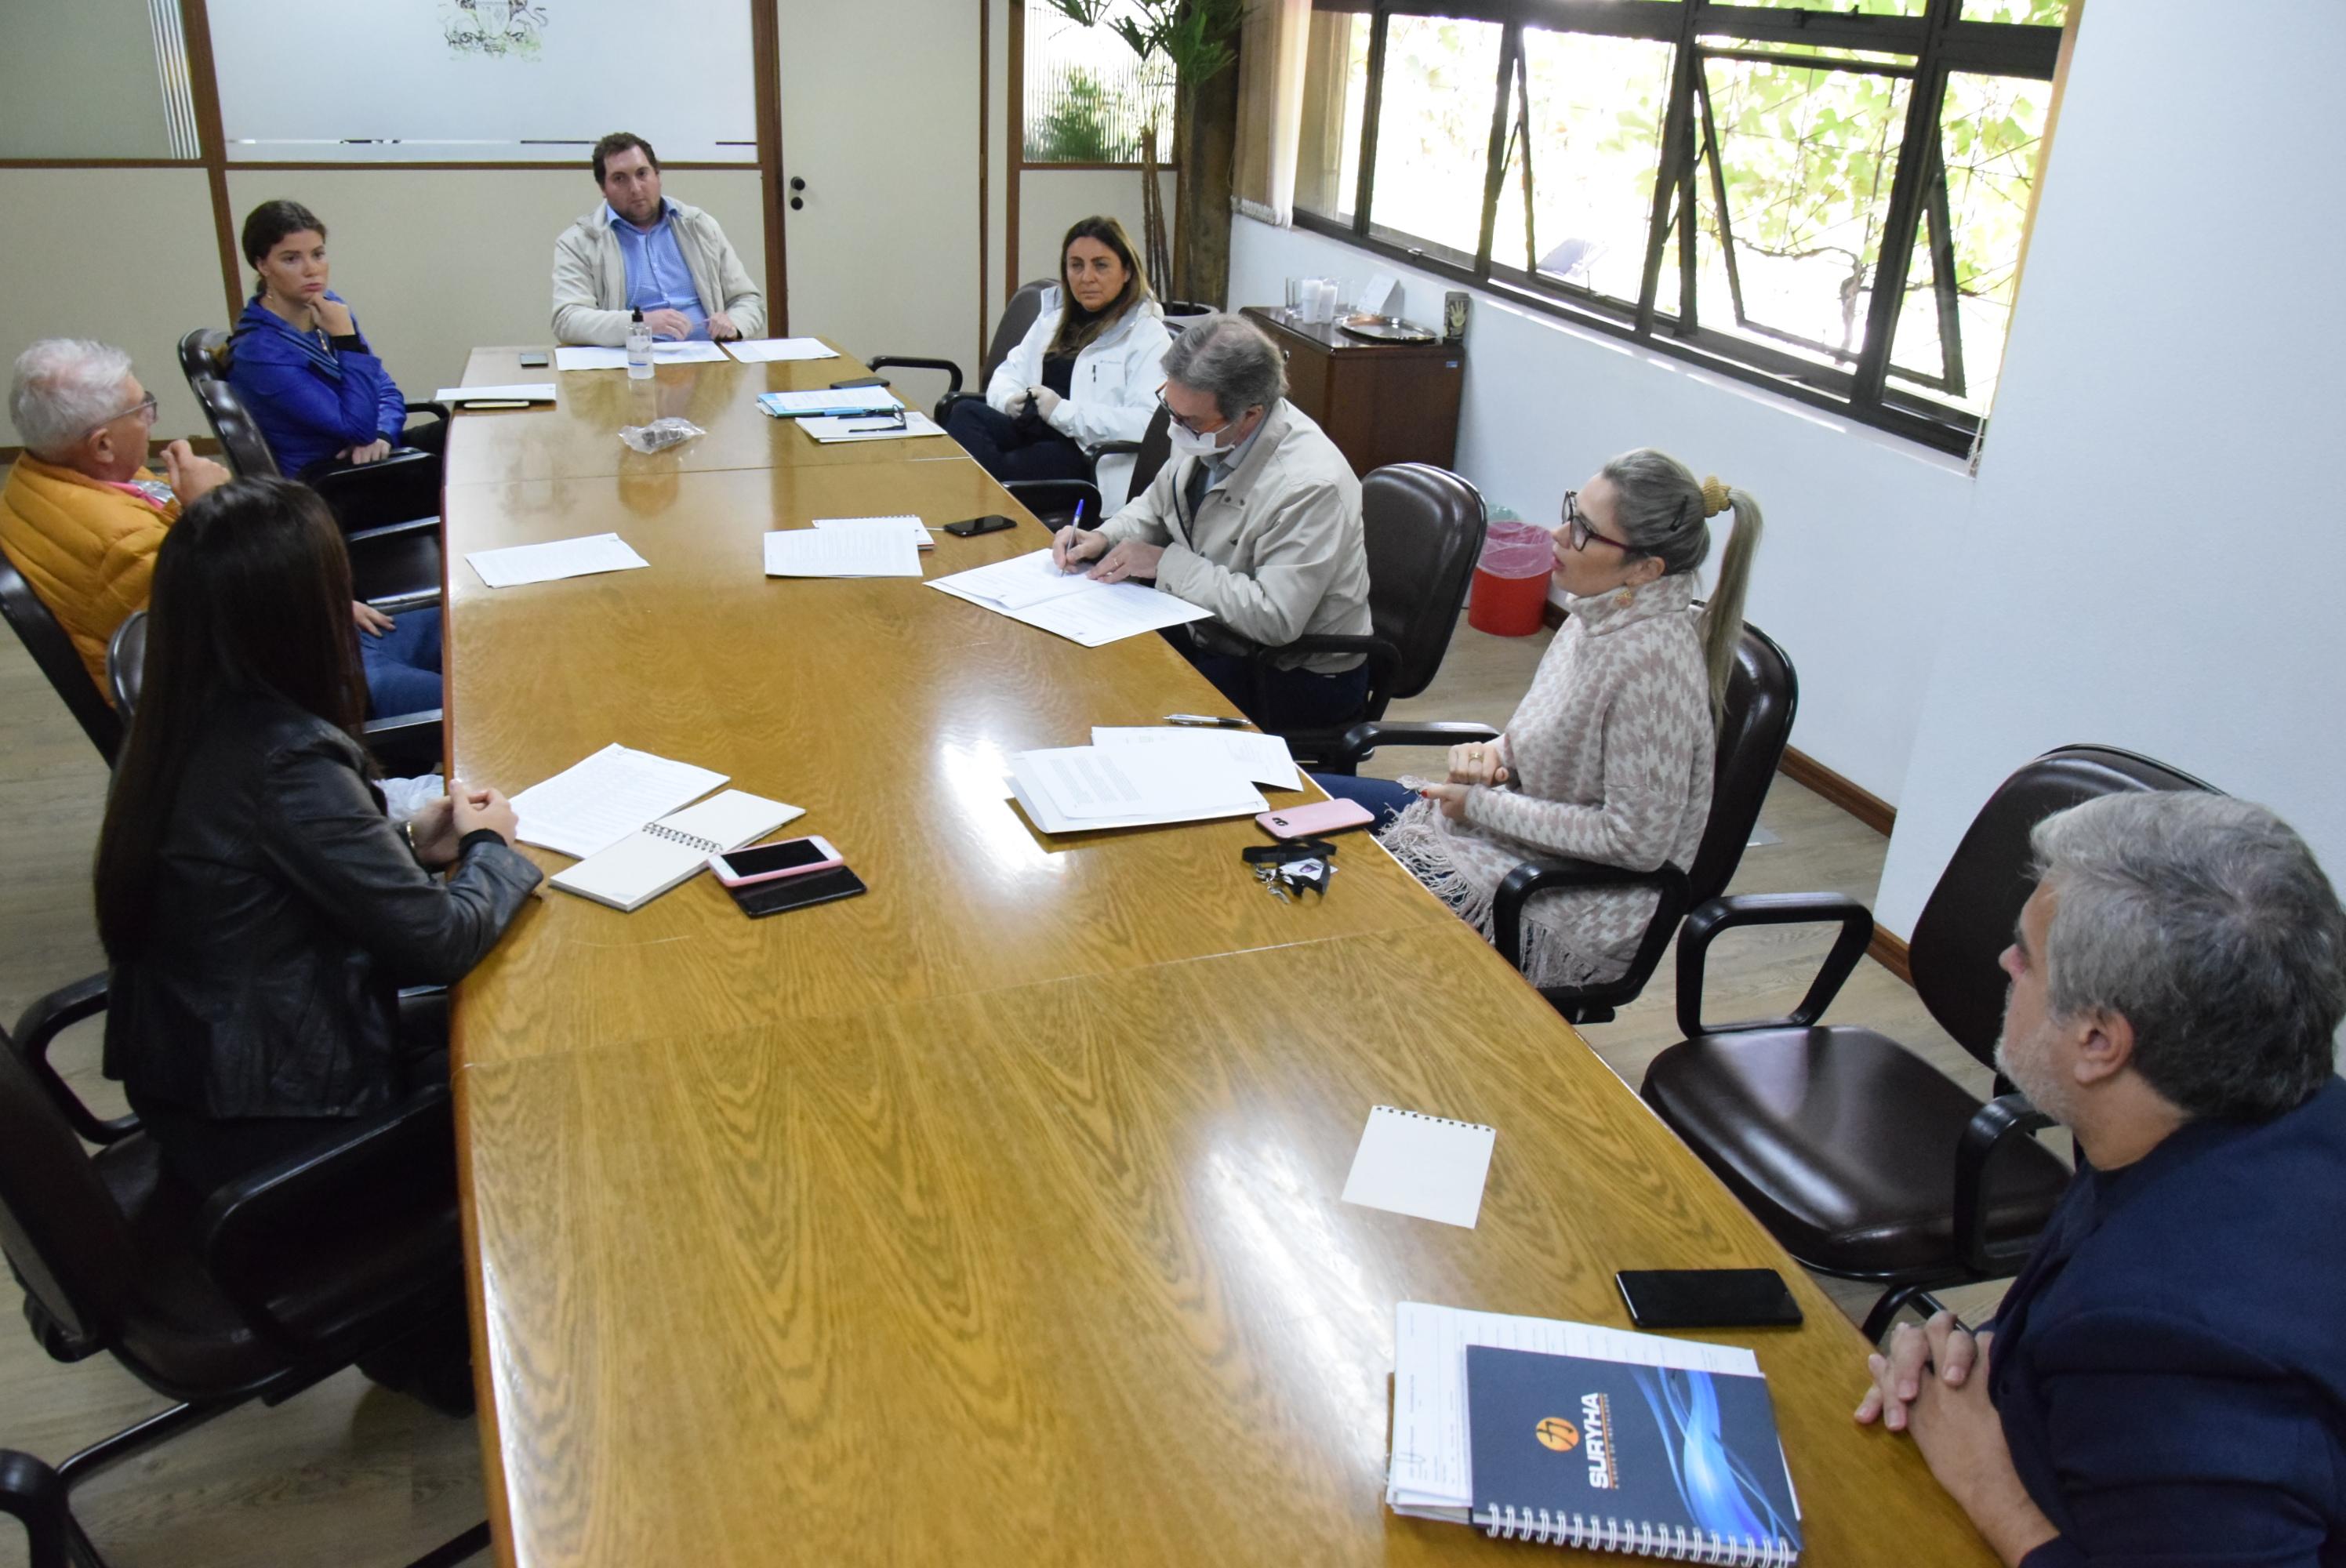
<point x="660" y="434"/>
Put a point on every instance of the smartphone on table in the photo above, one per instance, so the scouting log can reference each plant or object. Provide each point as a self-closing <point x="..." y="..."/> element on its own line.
<point x="533" y="359"/>
<point x="1707" y="1298"/>
<point x="971" y="527"/>
<point x="1320" y="816"/>
<point x="767" y="863"/>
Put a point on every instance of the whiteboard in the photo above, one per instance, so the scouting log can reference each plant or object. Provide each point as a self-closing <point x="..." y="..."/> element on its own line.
<point x="370" y="81"/>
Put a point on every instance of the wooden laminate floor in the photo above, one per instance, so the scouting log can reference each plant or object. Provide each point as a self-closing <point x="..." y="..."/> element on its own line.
<point x="349" y="1474"/>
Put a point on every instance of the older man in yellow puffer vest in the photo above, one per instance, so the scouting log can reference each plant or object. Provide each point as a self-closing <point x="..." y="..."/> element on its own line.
<point x="82" y="515"/>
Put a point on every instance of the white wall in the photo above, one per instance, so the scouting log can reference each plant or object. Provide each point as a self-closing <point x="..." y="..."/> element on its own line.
<point x="1859" y="524"/>
<point x="2158" y="547"/>
<point x="127" y="256"/>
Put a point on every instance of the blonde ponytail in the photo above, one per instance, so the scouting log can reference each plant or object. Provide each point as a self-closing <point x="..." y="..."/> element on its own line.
<point x="1722" y="617"/>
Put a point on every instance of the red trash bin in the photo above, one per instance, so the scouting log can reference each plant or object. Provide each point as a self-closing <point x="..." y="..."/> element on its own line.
<point x="1509" y="598"/>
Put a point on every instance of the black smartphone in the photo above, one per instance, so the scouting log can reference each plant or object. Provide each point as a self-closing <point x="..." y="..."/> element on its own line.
<point x="971" y="527"/>
<point x="1707" y="1298"/>
<point x="859" y="381"/>
<point x="532" y="359"/>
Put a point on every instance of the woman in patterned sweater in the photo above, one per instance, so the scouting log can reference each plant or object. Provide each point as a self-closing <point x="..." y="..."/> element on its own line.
<point x="1608" y="757"/>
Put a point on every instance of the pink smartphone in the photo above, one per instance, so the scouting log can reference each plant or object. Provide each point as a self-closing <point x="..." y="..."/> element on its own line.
<point x="1319" y="817"/>
<point x="764" y="862"/>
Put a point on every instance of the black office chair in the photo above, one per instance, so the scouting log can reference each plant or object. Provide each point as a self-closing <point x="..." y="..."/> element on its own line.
<point x="53" y="651"/>
<point x="1017" y="318"/>
<point x="1860" y="1157"/>
<point x="405" y="745"/>
<point x="279" y="1280"/>
<point x="1763" y="694"/>
<point x="389" y="510"/>
<point x="1422" y="529"/>
<point x="1054" y="501"/>
<point x="31" y="1494"/>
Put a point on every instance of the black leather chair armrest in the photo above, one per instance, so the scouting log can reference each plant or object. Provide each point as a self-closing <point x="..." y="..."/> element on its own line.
<point x="2003" y="1118"/>
<point x="428" y="406"/>
<point x="363" y="496"/>
<point x="31" y="1494"/>
<point x="406" y="744"/>
<point x="1723" y="915"/>
<point x="1105" y="447"/>
<point x="1357" y="743"/>
<point x="1550" y="873"/>
<point x="393" y="530"/>
<point x="42" y="1022"/>
<point x="914" y="363"/>
<point x="1042" y="496"/>
<point x="358" y="1167"/>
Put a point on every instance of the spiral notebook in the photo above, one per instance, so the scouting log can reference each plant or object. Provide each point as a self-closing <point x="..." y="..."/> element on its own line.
<point x="1429" y="1167"/>
<point x="1656" y="1461"/>
<point x="659" y="855"/>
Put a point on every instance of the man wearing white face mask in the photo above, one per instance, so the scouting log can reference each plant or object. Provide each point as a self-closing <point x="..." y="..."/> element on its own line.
<point x="1258" y="519"/>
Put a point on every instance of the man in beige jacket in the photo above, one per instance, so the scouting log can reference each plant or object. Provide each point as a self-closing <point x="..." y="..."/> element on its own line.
<point x="640" y="251"/>
<point x="1256" y="517"/>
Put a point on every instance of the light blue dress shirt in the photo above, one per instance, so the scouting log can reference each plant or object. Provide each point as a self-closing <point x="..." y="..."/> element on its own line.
<point x="658" y="279"/>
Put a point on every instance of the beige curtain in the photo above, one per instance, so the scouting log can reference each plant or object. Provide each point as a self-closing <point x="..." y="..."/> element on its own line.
<point x="1271" y="53"/>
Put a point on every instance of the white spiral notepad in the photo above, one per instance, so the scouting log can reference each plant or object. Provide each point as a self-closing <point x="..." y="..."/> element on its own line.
<point x="1428" y="1166"/>
<point x="659" y="855"/>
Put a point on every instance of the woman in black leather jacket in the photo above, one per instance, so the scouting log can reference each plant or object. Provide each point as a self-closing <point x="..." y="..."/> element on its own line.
<point x="259" y="910"/>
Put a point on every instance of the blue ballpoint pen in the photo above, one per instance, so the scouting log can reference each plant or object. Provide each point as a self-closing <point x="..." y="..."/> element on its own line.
<point x="1076" y="565"/>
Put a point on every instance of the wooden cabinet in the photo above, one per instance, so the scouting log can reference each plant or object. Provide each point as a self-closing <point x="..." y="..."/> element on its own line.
<point x="1379" y="402"/>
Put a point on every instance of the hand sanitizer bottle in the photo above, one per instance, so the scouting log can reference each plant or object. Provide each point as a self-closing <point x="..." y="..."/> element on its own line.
<point x="639" y="348"/>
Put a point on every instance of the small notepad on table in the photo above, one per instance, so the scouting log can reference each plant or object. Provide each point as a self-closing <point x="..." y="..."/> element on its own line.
<point x="843" y="553"/>
<point x="558" y="558"/>
<point x="659" y="855"/>
<point x="1428" y="1166"/>
<point x="760" y="351"/>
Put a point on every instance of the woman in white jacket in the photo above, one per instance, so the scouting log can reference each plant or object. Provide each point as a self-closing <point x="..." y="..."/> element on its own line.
<point x="1087" y="373"/>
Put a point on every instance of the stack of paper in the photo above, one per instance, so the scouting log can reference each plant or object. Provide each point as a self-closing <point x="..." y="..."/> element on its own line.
<point x="758" y="350"/>
<point x="1084" y="789"/>
<point x="595" y="804"/>
<point x="665" y="351"/>
<point x="830" y="401"/>
<point x="1262" y="757"/>
<point x="869" y="428"/>
<point x="906" y="524"/>
<point x="1432" y="1472"/>
<point x="843" y="553"/>
<point x="1029" y="588"/>
<point x="512" y="394"/>
<point x="544" y="563"/>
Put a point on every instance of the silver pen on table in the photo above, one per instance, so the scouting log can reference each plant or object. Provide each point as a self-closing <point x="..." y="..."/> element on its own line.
<point x="1214" y="720"/>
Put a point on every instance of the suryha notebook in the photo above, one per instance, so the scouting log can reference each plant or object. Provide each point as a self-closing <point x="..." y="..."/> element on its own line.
<point x="1660" y="1462"/>
<point x="657" y="856"/>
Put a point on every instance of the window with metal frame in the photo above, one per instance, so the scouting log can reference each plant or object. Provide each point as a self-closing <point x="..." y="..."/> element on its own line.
<point x="1731" y="183"/>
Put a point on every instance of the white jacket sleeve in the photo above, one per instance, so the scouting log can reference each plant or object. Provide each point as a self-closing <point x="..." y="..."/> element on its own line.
<point x="1023" y="367"/>
<point x="1300" y="555"/>
<point x="1125" y="398"/>
<point x="578" y="316"/>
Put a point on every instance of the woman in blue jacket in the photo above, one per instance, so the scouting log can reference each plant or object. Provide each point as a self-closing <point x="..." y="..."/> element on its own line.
<point x="321" y="396"/>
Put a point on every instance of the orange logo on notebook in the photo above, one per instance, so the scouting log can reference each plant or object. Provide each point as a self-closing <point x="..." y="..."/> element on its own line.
<point x="1557" y="1433"/>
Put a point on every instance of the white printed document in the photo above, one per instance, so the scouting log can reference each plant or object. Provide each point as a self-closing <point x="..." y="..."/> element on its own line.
<point x="580" y="557"/>
<point x="665" y="351"/>
<point x="843" y="553"/>
<point x="760" y="351"/>
<point x="1432" y="1473"/>
<point x="1262" y="757"/>
<point x="1086" y="788"/>
<point x="912" y="526"/>
<point x="1029" y="588"/>
<point x="879" y="427"/>
<point x="827" y="400"/>
<point x="1427" y="1166"/>
<point x="595" y="804"/>
<point x="514" y="391"/>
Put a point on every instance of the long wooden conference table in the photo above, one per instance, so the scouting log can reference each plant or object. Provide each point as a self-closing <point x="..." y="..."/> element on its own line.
<point x="991" y="1216"/>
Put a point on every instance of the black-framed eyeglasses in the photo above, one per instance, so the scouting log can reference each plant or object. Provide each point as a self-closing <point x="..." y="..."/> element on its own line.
<point x="1185" y="424"/>
<point x="1579" y="530"/>
<point x="143" y="408"/>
